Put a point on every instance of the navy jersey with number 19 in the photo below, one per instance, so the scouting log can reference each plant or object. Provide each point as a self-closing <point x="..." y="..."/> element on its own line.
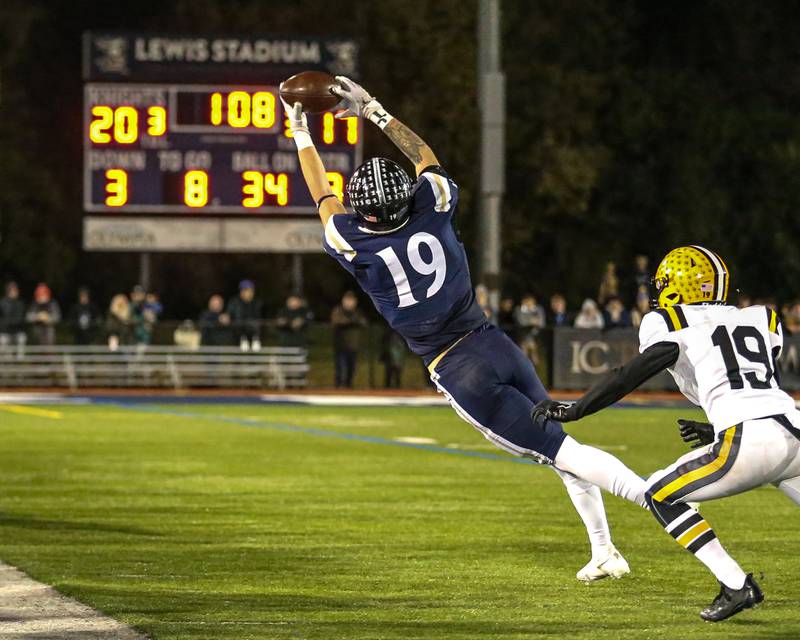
<point x="417" y="276"/>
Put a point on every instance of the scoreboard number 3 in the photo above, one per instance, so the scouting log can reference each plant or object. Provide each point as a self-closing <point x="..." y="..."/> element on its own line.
<point x="116" y="187"/>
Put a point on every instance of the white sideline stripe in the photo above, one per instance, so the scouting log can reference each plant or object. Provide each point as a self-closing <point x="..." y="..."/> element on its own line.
<point x="40" y="398"/>
<point x="416" y="440"/>
<point x="358" y="401"/>
<point x="30" y="609"/>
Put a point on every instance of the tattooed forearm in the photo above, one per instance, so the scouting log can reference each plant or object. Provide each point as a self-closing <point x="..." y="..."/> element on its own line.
<point x="406" y="140"/>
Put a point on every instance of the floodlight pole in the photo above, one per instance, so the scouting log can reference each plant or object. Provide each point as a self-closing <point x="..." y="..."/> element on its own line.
<point x="492" y="103"/>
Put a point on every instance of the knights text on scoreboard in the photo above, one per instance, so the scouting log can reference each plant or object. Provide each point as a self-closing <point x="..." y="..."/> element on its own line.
<point x="196" y="149"/>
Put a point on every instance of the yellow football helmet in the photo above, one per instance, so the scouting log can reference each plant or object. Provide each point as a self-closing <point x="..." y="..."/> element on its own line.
<point x="690" y="275"/>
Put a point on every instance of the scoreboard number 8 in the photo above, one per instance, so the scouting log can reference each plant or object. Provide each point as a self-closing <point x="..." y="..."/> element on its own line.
<point x="195" y="188"/>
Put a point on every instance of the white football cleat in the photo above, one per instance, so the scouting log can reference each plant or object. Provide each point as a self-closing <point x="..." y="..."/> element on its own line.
<point x="610" y="565"/>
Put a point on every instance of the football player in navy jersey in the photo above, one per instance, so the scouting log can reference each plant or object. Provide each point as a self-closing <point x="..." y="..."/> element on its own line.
<point x="400" y="245"/>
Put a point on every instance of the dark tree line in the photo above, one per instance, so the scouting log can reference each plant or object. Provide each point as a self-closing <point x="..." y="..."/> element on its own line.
<point x="633" y="126"/>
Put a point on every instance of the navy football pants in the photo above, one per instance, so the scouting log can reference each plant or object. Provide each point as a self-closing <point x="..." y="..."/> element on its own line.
<point x="493" y="386"/>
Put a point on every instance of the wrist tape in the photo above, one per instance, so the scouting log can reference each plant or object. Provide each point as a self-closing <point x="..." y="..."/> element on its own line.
<point x="302" y="139"/>
<point x="375" y="113"/>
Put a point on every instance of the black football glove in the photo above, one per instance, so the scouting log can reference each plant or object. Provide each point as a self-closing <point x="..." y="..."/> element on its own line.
<point x="696" y="434"/>
<point x="552" y="410"/>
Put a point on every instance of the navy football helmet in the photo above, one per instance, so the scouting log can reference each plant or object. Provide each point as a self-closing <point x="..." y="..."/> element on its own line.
<point x="380" y="194"/>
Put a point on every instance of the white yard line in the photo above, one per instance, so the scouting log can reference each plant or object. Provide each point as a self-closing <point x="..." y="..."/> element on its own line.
<point x="31" y="610"/>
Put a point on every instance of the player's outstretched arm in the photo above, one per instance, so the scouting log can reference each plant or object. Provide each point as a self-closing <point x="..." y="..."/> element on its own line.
<point x="616" y="385"/>
<point x="311" y="164"/>
<point x="360" y="103"/>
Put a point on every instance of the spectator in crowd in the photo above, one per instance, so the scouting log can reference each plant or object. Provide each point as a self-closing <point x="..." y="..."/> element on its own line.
<point x="529" y="318"/>
<point x="43" y="315"/>
<point x="558" y="311"/>
<point x="791" y="318"/>
<point x="12" y="318"/>
<point x="641" y="273"/>
<point x="482" y="298"/>
<point x="152" y="303"/>
<point x="348" y="323"/>
<point x="215" y="324"/>
<point x="245" y="312"/>
<point x="615" y="315"/>
<point x="393" y="356"/>
<point x="589" y="316"/>
<point x="505" y="317"/>
<point x="83" y="318"/>
<point x="292" y="321"/>
<point x="609" y="285"/>
<point x="642" y="306"/>
<point x="143" y="315"/>
<point x="118" y="322"/>
<point x="186" y="335"/>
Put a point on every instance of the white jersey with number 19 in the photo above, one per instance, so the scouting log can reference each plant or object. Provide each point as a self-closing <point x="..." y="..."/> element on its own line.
<point x="727" y="361"/>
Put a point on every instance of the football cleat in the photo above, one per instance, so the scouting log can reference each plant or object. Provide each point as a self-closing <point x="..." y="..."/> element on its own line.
<point x="729" y="602"/>
<point x="610" y="565"/>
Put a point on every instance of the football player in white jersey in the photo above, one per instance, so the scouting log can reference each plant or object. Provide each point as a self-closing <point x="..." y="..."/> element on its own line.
<point x="723" y="359"/>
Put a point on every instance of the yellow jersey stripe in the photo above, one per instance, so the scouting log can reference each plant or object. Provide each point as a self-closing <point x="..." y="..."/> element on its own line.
<point x="441" y="191"/>
<point x="438" y="359"/>
<point x="673" y="318"/>
<point x="773" y="321"/>
<point x="688" y="536"/>
<point x="702" y="472"/>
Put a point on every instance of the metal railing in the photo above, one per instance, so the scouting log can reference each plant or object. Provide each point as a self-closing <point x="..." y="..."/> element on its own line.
<point x="77" y="367"/>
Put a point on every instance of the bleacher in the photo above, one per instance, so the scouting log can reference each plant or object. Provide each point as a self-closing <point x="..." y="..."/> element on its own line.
<point x="76" y="367"/>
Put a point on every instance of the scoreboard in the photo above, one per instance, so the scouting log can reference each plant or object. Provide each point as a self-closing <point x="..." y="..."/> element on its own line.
<point x="166" y="148"/>
<point x="192" y="128"/>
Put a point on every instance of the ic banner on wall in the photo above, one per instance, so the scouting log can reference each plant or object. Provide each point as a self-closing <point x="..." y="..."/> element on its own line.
<point x="582" y="356"/>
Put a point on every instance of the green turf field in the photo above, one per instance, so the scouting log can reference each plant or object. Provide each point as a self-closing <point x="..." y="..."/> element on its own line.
<point x="224" y="522"/>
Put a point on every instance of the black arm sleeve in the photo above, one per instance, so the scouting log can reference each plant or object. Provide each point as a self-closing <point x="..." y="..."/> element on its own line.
<point x="622" y="380"/>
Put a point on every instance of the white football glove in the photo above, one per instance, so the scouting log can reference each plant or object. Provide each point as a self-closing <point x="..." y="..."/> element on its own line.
<point x="298" y="125"/>
<point x="297" y="119"/>
<point x="357" y="102"/>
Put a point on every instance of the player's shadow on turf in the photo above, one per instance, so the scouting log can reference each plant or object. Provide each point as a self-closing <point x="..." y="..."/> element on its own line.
<point x="44" y="524"/>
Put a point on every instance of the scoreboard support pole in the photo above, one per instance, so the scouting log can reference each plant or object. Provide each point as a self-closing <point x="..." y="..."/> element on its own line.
<point x="144" y="270"/>
<point x="491" y="91"/>
<point x="297" y="274"/>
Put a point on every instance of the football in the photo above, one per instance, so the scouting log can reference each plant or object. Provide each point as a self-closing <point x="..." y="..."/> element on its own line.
<point x="312" y="89"/>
